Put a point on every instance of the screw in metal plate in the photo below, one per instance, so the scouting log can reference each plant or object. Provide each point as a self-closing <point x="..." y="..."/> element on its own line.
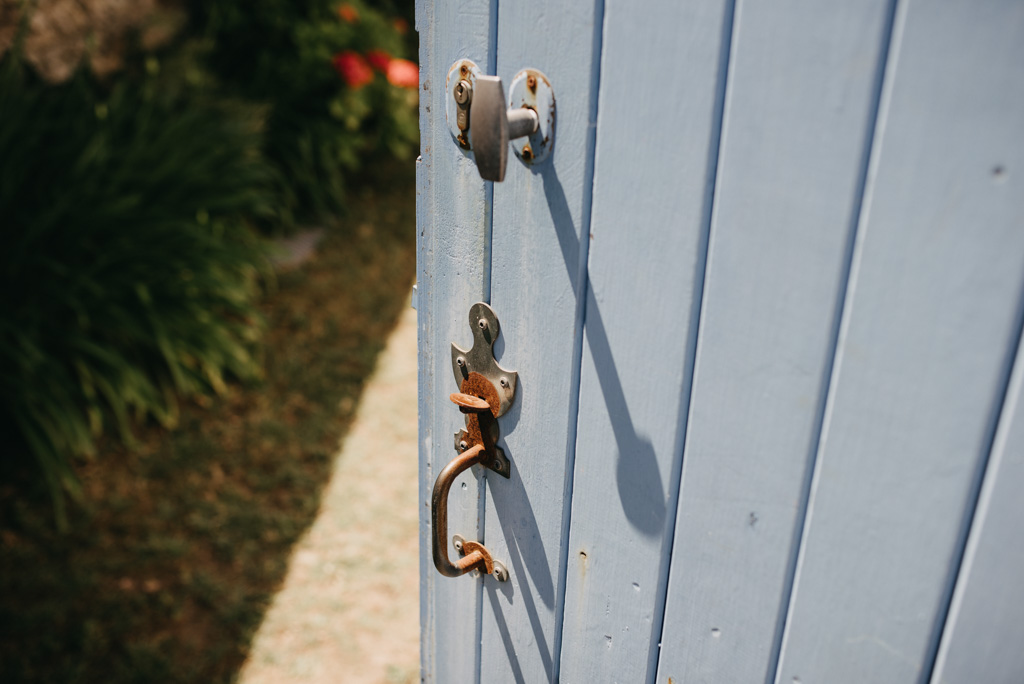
<point x="463" y="445"/>
<point x="482" y="323"/>
<point x="457" y="542"/>
<point x="504" y="382"/>
<point x="497" y="464"/>
<point x="500" y="573"/>
<point x="461" y="361"/>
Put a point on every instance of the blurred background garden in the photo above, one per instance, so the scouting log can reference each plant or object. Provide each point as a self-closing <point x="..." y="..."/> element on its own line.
<point x="206" y="237"/>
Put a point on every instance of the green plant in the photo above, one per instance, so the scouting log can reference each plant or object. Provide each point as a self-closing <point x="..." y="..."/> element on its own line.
<point x="323" y="122"/>
<point x="181" y="542"/>
<point x="128" y="274"/>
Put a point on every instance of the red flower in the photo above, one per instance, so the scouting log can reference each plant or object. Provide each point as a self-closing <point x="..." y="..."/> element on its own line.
<point x="348" y="13"/>
<point x="353" y="68"/>
<point x="403" y="73"/>
<point x="378" y="59"/>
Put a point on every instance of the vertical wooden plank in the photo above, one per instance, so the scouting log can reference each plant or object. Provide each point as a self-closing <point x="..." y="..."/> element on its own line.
<point x="452" y="229"/>
<point x="662" y="74"/>
<point x="985" y="627"/>
<point x="801" y="100"/>
<point x="541" y="217"/>
<point x="921" y="367"/>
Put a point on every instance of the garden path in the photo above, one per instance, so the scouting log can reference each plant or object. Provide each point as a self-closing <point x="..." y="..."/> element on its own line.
<point x="349" y="610"/>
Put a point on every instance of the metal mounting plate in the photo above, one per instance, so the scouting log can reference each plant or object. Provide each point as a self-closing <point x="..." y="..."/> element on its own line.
<point x="462" y="69"/>
<point x="480" y="359"/>
<point x="461" y="546"/>
<point x="498" y="464"/>
<point x="530" y="88"/>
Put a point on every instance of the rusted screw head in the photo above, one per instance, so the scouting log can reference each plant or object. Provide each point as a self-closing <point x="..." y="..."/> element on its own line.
<point x="527" y="153"/>
<point x="462" y="92"/>
<point x="531" y="83"/>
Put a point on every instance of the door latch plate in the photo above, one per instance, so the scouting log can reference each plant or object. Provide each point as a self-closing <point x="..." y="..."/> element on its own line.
<point x="480" y="358"/>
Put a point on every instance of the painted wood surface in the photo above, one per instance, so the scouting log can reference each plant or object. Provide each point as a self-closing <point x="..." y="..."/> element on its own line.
<point x="985" y="627"/>
<point x="541" y="219"/>
<point x="928" y="332"/>
<point x="790" y="177"/>
<point x="453" y="224"/>
<point x="656" y="151"/>
<point x="851" y="243"/>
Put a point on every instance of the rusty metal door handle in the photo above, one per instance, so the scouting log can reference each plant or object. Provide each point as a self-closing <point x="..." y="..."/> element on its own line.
<point x="478" y="376"/>
<point x="475" y="555"/>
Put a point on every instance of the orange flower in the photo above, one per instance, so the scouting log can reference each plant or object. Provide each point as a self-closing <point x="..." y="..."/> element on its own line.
<point x="401" y="25"/>
<point x="348" y="13"/>
<point x="378" y="59"/>
<point x="353" y="68"/>
<point x="403" y="73"/>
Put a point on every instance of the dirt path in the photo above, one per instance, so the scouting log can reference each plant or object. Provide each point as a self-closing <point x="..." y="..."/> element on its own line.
<point x="349" y="610"/>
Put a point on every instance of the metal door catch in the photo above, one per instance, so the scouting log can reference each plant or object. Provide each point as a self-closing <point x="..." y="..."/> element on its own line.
<point x="486" y="391"/>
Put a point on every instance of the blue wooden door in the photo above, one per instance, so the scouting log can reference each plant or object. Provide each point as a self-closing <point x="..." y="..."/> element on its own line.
<point x="765" y="301"/>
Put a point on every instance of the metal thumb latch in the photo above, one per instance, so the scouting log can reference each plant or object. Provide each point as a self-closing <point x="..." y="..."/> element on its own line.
<point x="486" y="391"/>
<point x="482" y="121"/>
<point x="493" y="126"/>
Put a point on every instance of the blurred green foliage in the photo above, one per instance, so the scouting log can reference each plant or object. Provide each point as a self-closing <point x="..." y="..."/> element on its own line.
<point x="129" y="266"/>
<point x="180" y="543"/>
<point x="127" y="273"/>
<point x="319" y="130"/>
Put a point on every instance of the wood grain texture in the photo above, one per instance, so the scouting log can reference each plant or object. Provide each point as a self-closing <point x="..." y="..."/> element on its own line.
<point x="985" y="626"/>
<point x="452" y="234"/>
<point x="928" y="331"/>
<point x="801" y="99"/>
<point x="656" y="150"/>
<point x="537" y="274"/>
